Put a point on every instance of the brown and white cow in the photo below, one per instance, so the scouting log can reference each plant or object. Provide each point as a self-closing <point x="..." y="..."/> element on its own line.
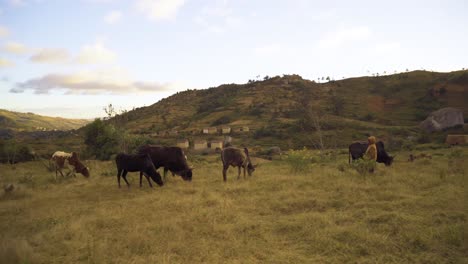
<point x="235" y="157"/>
<point x="59" y="158"/>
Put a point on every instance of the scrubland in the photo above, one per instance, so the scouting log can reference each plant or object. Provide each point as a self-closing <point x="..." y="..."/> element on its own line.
<point x="326" y="213"/>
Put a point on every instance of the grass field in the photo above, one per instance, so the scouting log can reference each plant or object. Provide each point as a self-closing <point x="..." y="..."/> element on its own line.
<point x="408" y="213"/>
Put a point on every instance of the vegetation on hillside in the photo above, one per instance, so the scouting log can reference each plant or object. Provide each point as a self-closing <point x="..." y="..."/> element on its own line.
<point x="31" y="122"/>
<point x="292" y="112"/>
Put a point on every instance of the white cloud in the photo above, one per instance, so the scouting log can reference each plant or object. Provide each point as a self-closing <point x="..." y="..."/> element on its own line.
<point x="16" y="48"/>
<point x="345" y="36"/>
<point x="4" y="31"/>
<point x="6" y="63"/>
<point x="113" y="17"/>
<point x="17" y="2"/>
<point x="325" y="16"/>
<point x="159" y="9"/>
<point x="219" y="10"/>
<point x="270" y="49"/>
<point x="389" y="47"/>
<point x="95" y="53"/>
<point x="51" y="56"/>
<point x="218" y="18"/>
<point x="111" y="81"/>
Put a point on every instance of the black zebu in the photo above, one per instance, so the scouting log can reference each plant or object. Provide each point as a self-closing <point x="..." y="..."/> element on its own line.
<point x="171" y="158"/>
<point x="142" y="163"/>
<point x="357" y="150"/>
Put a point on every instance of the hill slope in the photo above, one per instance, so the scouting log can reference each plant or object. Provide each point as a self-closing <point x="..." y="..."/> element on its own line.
<point x="282" y="110"/>
<point x="32" y="122"/>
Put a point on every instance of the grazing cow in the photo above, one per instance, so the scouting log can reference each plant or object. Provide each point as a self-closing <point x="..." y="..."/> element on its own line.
<point x="59" y="158"/>
<point x="139" y="162"/>
<point x="172" y="159"/>
<point x="357" y="150"/>
<point x="235" y="157"/>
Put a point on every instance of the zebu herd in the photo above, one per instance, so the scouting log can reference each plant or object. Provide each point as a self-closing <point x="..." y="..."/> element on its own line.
<point x="149" y="158"/>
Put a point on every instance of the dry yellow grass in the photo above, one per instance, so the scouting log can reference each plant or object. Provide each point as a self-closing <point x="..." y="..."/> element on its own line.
<point x="408" y="213"/>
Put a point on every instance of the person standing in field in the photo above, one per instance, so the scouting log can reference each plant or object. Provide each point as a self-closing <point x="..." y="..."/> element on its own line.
<point x="371" y="153"/>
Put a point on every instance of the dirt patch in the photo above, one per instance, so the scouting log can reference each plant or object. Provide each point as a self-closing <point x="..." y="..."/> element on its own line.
<point x="376" y="103"/>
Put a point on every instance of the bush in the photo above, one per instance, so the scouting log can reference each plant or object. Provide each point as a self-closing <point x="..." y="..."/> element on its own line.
<point x="363" y="166"/>
<point x="300" y="161"/>
<point x="101" y="139"/>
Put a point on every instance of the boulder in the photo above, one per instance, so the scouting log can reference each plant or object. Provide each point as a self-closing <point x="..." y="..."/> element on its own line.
<point x="442" y="119"/>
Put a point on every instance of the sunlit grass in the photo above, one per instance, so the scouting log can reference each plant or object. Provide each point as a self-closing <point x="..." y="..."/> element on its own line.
<point x="407" y="213"/>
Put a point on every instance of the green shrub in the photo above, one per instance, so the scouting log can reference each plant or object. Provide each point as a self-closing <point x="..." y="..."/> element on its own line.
<point x="101" y="139"/>
<point x="300" y="161"/>
<point x="363" y="166"/>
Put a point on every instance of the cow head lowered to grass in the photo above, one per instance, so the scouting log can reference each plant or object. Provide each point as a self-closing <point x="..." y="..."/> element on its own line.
<point x="139" y="162"/>
<point x="59" y="158"/>
<point x="172" y="159"/>
<point x="236" y="157"/>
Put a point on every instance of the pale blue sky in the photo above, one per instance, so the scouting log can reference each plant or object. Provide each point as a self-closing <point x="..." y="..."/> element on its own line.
<point x="71" y="58"/>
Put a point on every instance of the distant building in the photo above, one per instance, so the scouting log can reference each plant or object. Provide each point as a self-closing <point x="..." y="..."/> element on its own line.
<point x="226" y="130"/>
<point x="200" y="144"/>
<point x="183" y="143"/>
<point x="216" y="144"/>
<point x="210" y="130"/>
<point x="456" y="139"/>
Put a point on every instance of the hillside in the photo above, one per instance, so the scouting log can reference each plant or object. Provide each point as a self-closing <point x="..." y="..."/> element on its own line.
<point x="283" y="110"/>
<point x="31" y="122"/>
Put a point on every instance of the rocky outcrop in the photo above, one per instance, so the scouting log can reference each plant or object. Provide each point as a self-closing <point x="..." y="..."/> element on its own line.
<point x="442" y="119"/>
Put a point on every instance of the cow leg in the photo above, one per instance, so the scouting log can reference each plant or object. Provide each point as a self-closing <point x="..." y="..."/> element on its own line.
<point x="225" y="168"/>
<point x="148" y="179"/>
<point x="118" y="176"/>
<point x="141" y="173"/>
<point x="60" y="170"/>
<point x="124" y="176"/>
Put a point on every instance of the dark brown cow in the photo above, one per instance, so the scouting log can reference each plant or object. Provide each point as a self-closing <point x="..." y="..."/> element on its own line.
<point x="358" y="149"/>
<point x="139" y="162"/>
<point x="235" y="157"/>
<point x="59" y="158"/>
<point x="172" y="159"/>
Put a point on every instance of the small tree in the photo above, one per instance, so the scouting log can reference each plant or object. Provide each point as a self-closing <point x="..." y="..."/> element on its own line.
<point x="101" y="139"/>
<point x="110" y="111"/>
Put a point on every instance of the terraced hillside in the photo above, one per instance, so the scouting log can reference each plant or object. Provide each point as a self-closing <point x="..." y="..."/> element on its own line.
<point x="287" y="110"/>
